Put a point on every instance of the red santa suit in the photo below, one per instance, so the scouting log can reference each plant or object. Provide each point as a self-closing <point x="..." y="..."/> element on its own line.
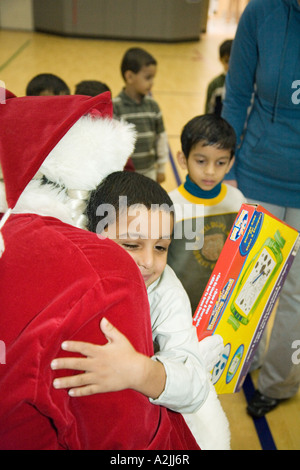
<point x="57" y="281"/>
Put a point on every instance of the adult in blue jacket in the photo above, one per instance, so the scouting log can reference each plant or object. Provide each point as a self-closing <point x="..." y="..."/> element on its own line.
<point x="262" y="103"/>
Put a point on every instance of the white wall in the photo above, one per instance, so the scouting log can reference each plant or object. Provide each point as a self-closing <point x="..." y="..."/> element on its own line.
<point x="16" y="14"/>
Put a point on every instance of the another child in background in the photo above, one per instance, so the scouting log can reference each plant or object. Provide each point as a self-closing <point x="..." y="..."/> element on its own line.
<point x="216" y="88"/>
<point x="137" y="214"/>
<point x="208" y="144"/>
<point x="135" y="105"/>
<point x="47" y="84"/>
<point x="90" y="88"/>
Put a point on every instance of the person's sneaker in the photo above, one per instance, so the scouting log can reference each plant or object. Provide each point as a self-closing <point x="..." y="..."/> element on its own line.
<point x="260" y="405"/>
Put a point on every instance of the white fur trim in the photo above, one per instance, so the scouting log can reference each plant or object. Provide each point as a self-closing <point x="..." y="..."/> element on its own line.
<point x="209" y="424"/>
<point x="89" y="151"/>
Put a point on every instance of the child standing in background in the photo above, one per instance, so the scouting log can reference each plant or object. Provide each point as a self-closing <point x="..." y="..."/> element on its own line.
<point x="208" y="144"/>
<point x="216" y="88"/>
<point x="91" y="88"/>
<point x="134" y="105"/>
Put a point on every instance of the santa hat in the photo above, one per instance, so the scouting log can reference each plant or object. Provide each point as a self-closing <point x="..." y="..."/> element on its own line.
<point x="72" y="140"/>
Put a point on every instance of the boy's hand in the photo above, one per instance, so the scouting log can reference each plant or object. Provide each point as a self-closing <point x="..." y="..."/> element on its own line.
<point x="109" y="368"/>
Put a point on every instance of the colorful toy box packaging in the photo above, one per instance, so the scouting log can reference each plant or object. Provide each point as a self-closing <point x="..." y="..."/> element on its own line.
<point x="242" y="290"/>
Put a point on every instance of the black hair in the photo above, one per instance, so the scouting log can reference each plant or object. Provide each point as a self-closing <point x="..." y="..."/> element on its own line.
<point x="138" y="189"/>
<point x="225" y="48"/>
<point x="210" y="129"/>
<point x="47" y="81"/>
<point x="91" y="88"/>
<point x="134" y="59"/>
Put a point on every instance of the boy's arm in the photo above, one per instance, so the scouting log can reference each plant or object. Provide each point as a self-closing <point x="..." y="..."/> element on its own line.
<point x="113" y="367"/>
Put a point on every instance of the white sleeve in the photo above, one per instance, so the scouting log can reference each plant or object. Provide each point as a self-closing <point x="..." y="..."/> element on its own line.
<point x="187" y="383"/>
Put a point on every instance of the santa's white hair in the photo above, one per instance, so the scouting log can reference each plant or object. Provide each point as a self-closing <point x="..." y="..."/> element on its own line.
<point x="88" y="152"/>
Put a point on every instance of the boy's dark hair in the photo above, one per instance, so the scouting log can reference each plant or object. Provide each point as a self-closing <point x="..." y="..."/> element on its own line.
<point x="90" y="88"/>
<point x="134" y="59"/>
<point x="225" y="48"/>
<point x="139" y="190"/>
<point x="209" y="129"/>
<point x="47" y="81"/>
